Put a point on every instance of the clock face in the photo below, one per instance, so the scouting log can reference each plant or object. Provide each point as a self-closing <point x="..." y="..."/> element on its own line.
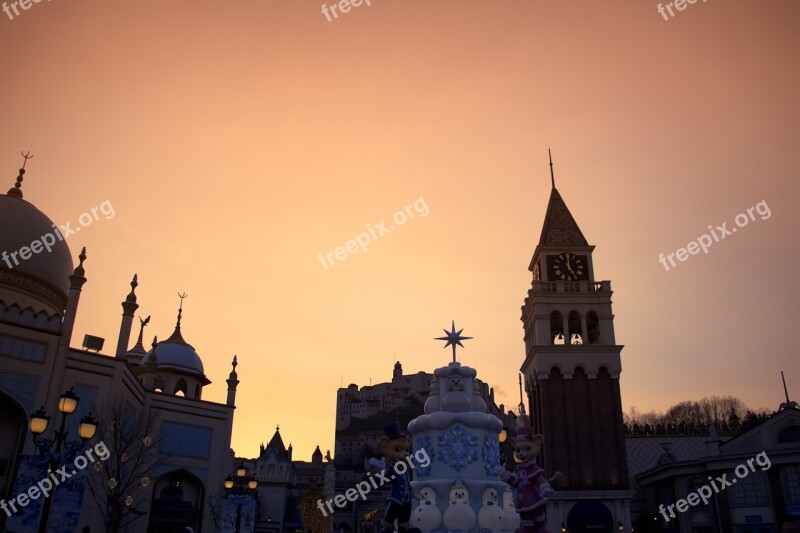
<point x="568" y="267"/>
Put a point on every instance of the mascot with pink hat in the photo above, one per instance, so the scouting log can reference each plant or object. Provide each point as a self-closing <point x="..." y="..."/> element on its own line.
<point x="528" y="479"/>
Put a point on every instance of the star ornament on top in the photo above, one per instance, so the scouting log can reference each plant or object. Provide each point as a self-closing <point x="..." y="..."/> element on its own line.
<point x="453" y="338"/>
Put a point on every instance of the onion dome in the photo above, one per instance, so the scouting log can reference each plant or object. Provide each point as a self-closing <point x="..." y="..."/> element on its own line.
<point x="177" y="355"/>
<point x="35" y="261"/>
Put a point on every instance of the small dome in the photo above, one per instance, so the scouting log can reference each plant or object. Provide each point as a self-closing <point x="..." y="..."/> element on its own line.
<point x="45" y="273"/>
<point x="177" y="355"/>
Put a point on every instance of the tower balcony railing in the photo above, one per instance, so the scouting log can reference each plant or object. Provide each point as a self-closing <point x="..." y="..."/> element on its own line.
<point x="572" y="286"/>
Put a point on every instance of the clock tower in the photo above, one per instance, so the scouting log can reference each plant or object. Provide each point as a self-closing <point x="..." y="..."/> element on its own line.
<point x="572" y="368"/>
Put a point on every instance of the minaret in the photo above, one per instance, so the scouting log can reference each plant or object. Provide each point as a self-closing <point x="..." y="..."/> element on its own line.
<point x="76" y="282"/>
<point x="572" y="361"/>
<point x="233" y="382"/>
<point x="129" y="307"/>
<point x="149" y="375"/>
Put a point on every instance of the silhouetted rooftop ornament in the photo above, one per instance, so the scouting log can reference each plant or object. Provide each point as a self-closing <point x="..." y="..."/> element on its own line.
<point x="180" y="309"/>
<point x="27" y="156"/>
<point x="138" y="348"/>
<point x="132" y="296"/>
<point x="788" y="404"/>
<point x="79" y="270"/>
<point x="453" y="338"/>
<point x="176" y="336"/>
<point x="552" y="176"/>
<point x="16" y="190"/>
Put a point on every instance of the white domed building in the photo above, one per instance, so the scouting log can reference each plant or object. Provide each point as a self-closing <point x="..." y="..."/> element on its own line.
<point x="183" y="441"/>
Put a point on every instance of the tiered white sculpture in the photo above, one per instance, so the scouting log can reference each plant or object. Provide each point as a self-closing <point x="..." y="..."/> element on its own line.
<point x="461" y="439"/>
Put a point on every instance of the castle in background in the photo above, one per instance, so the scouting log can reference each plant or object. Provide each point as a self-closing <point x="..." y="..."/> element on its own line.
<point x="281" y="480"/>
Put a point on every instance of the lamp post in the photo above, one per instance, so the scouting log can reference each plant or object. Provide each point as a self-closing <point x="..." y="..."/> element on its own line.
<point x="240" y="485"/>
<point x="67" y="404"/>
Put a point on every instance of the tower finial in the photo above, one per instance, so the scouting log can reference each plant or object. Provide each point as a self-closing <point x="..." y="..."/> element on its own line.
<point x="180" y="310"/>
<point x="16" y="190"/>
<point x="521" y="403"/>
<point x="552" y="175"/>
<point x="132" y="295"/>
<point x="142" y="324"/>
<point x="79" y="270"/>
<point x="26" y="156"/>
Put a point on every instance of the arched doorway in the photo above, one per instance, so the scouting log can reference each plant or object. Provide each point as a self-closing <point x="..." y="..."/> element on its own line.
<point x="590" y="516"/>
<point x="177" y="503"/>
<point x="14" y="429"/>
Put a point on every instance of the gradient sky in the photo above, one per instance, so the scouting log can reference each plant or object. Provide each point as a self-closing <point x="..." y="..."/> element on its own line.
<point x="237" y="140"/>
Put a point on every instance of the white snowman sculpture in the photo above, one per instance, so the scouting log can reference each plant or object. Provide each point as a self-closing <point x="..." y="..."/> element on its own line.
<point x="427" y="515"/>
<point x="459" y="515"/>
<point x="512" y="519"/>
<point x="491" y="515"/>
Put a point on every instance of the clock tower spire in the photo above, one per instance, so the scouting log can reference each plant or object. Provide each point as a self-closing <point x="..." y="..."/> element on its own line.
<point x="572" y="366"/>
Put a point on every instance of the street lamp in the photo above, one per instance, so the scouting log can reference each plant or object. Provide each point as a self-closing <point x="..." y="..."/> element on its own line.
<point x="240" y="485"/>
<point x="501" y="438"/>
<point x="87" y="427"/>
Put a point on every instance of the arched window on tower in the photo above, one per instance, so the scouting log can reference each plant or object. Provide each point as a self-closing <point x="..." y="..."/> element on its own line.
<point x="180" y="387"/>
<point x="575" y="336"/>
<point x="593" y="327"/>
<point x="556" y="328"/>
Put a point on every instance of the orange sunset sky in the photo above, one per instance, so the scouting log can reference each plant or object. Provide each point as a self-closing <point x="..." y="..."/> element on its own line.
<point x="237" y="140"/>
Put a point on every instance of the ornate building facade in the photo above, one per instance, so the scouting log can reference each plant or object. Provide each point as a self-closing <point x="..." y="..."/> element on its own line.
<point x="146" y="404"/>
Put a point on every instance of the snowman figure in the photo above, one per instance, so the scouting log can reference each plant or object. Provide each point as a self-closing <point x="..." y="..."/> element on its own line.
<point x="491" y="515"/>
<point x="427" y="515"/>
<point x="459" y="516"/>
<point x="511" y="516"/>
<point x="456" y="399"/>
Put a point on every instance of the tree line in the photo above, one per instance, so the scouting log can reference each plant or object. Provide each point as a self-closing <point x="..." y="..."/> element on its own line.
<point x="728" y="414"/>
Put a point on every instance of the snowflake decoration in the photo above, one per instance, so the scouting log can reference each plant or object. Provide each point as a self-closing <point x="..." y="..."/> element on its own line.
<point x="424" y="443"/>
<point x="98" y="467"/>
<point x="490" y="453"/>
<point x="145" y="481"/>
<point x="124" y="458"/>
<point x="112" y="483"/>
<point x="147" y="442"/>
<point x="457" y="448"/>
<point x="128" y="501"/>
